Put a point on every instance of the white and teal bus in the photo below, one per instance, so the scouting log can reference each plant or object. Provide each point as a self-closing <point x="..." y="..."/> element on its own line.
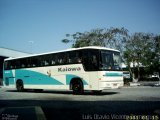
<point x="77" y="69"/>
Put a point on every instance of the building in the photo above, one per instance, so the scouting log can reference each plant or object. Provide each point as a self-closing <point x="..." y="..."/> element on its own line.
<point x="6" y="53"/>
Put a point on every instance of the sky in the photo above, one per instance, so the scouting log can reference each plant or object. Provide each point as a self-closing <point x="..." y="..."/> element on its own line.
<point x="38" y="26"/>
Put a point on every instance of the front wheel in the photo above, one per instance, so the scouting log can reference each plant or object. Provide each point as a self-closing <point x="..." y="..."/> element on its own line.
<point x="19" y="85"/>
<point x="77" y="87"/>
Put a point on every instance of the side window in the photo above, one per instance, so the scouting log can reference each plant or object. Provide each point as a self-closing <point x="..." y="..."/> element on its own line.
<point x="28" y="62"/>
<point x="7" y="65"/>
<point x="49" y="60"/>
<point x="58" y="59"/>
<point x="78" y="58"/>
<point x="34" y="62"/>
<point x="85" y="60"/>
<point x="93" y="59"/>
<point x="90" y="59"/>
<point x="107" y="61"/>
<point x="53" y="59"/>
<point x="22" y="63"/>
<point x="42" y="60"/>
<point x="46" y="60"/>
<point x="71" y="57"/>
<point x="17" y="63"/>
<point x="74" y="57"/>
<point x="62" y="58"/>
<point x="13" y="64"/>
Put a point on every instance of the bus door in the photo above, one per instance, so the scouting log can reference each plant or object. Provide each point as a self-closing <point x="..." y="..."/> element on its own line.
<point x="91" y="65"/>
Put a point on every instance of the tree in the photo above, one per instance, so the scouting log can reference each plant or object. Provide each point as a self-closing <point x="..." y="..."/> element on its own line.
<point x="156" y="55"/>
<point x="112" y="37"/>
<point x="140" y="50"/>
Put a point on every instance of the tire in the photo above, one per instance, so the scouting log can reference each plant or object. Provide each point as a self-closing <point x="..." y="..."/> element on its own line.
<point x="77" y="87"/>
<point x="19" y="86"/>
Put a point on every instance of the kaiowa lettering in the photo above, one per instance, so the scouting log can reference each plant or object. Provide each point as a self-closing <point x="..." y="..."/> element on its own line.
<point x="69" y="69"/>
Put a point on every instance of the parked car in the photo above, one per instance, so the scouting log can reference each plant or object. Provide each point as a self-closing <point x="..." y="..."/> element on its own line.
<point x="155" y="76"/>
<point x="1" y="82"/>
<point x="126" y="77"/>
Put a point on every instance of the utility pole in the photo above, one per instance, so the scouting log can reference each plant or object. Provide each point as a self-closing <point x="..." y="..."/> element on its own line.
<point x="31" y="46"/>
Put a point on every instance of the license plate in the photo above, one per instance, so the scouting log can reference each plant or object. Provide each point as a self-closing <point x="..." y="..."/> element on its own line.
<point x="115" y="84"/>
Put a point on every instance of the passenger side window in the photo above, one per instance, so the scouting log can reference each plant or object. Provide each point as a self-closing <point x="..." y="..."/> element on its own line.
<point x="93" y="55"/>
<point x="90" y="60"/>
<point x="7" y="65"/>
<point x="12" y="64"/>
<point x="74" y="57"/>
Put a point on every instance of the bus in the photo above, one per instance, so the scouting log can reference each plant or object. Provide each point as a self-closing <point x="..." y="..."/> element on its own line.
<point x="77" y="69"/>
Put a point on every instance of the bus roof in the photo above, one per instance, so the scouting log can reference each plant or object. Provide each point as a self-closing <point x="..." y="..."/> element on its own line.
<point x="71" y="49"/>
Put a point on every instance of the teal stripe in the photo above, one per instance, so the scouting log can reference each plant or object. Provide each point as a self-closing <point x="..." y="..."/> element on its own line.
<point x="69" y="77"/>
<point x="36" y="78"/>
<point x="113" y="74"/>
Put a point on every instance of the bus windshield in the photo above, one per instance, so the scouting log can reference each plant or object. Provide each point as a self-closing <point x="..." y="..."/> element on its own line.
<point x="110" y="60"/>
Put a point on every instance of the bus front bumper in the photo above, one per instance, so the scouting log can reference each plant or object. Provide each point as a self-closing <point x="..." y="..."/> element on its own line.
<point x="110" y="85"/>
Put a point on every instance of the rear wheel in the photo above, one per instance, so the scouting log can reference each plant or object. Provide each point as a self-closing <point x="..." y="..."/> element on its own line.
<point x="77" y="87"/>
<point x="19" y="85"/>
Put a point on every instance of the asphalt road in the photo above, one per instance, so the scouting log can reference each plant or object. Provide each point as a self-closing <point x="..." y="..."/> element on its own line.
<point x="142" y="102"/>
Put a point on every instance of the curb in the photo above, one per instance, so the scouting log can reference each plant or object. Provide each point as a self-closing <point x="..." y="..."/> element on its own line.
<point x="134" y="84"/>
